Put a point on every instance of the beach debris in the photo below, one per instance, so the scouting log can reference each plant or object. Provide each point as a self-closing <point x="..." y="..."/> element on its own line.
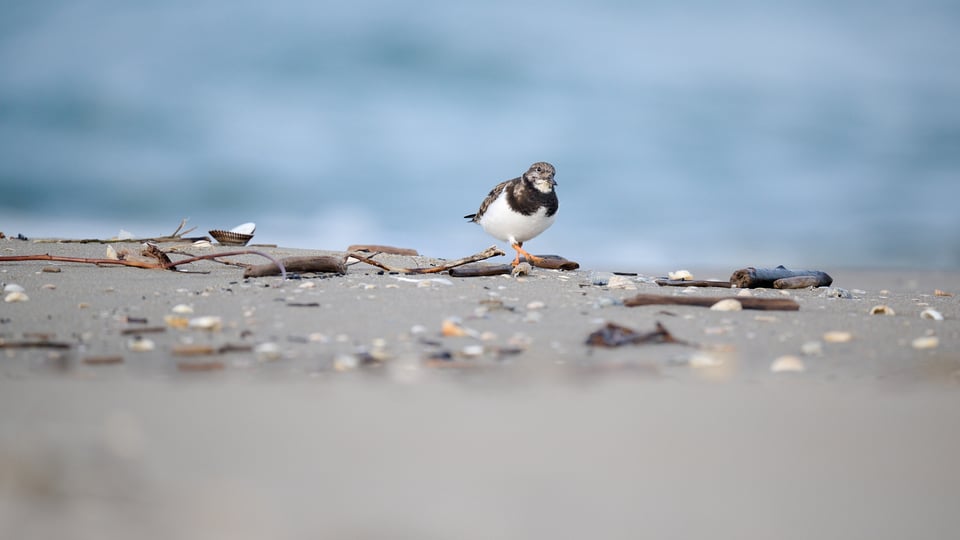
<point x="210" y="323"/>
<point x="925" y="342"/>
<point x="938" y="292"/>
<point x="680" y="275"/>
<point x="535" y="304"/>
<point x="141" y="344"/>
<point x="106" y="360"/>
<point x="176" y="322"/>
<point x="182" y="309"/>
<point x="191" y="349"/>
<point x="43" y="343"/>
<point x="51" y="269"/>
<point x="388" y="250"/>
<point x="702" y="359"/>
<point x="777" y="304"/>
<point x="481" y="270"/>
<point x="621" y="282"/>
<point x="16" y="296"/>
<point x="112" y="253"/>
<point x="837" y="336"/>
<point x="237" y="236"/>
<point x="267" y="351"/>
<point x="196" y="367"/>
<point x="453" y="328"/>
<point x="788" y="364"/>
<point x="752" y="278"/>
<point x="521" y="269"/>
<point x="318" y="264"/>
<point x="727" y="304"/>
<point x="882" y="309"/>
<point x="615" y="335"/>
<point x="798" y="282"/>
<point x="812" y="348"/>
<point x="491" y="251"/>
<point x="692" y="283"/>
<point x="931" y="314"/>
<point x="176" y="236"/>
<point x="836" y="292"/>
<point x="13" y="287"/>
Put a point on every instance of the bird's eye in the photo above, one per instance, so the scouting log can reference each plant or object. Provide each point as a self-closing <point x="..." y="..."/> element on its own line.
<point x="539" y="169"/>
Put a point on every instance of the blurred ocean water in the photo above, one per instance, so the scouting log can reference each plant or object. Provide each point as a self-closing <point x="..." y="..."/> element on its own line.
<point x="684" y="133"/>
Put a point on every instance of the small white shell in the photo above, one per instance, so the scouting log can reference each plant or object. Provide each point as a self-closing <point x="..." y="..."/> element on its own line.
<point x="882" y="310"/>
<point x="209" y="322"/>
<point x="727" y="304"/>
<point x="112" y="254"/>
<point x="704" y="360"/>
<point x="267" y="352"/>
<point x="621" y="282"/>
<point x="182" y="309"/>
<point x="931" y="314"/>
<point x="13" y="287"/>
<point x="245" y="228"/>
<point x="681" y="275"/>
<point x="16" y="296"/>
<point x="788" y="364"/>
<point x="925" y="342"/>
<point x="229" y="238"/>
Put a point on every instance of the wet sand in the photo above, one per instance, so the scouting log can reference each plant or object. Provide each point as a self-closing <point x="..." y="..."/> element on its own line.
<point x="334" y="407"/>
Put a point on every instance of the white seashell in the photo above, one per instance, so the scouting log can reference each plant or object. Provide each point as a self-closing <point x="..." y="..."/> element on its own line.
<point x="837" y="336"/>
<point x="202" y="244"/>
<point x="16" y="296"/>
<point x="307" y="285"/>
<point x="182" y="309"/>
<point x="472" y="351"/>
<point x="112" y="254"/>
<point x="245" y="228"/>
<point x="13" y="287"/>
<point x="345" y="362"/>
<point x="141" y="345"/>
<point x="882" y="310"/>
<point x="788" y="364"/>
<point x="209" y="322"/>
<point x="727" y="304"/>
<point x="925" y="342"/>
<point x="931" y="314"/>
<point x="536" y="304"/>
<point x="745" y="292"/>
<point x="812" y="348"/>
<point x="681" y="275"/>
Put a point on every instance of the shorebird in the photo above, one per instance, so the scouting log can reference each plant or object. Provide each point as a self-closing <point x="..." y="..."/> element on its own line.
<point x="520" y="209"/>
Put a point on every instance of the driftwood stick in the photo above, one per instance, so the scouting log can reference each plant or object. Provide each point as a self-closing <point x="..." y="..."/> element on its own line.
<point x="554" y="262"/>
<point x="85" y="260"/>
<point x="798" y="282"/>
<point x="389" y="250"/>
<point x="751" y="278"/>
<point x="491" y="251"/>
<point x="748" y="302"/>
<point x="322" y="263"/>
<point x="692" y="283"/>
<point x="481" y="270"/>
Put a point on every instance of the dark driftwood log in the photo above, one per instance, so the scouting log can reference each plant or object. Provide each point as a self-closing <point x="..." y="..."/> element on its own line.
<point x="321" y="263"/>
<point x="480" y="270"/>
<point x="389" y="250"/>
<point x="693" y="283"/>
<point x="798" y="282"/>
<point x="748" y="302"/>
<point x="752" y="278"/>
<point x="555" y="262"/>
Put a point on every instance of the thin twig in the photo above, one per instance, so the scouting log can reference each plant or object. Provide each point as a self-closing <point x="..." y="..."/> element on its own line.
<point x="492" y="251"/>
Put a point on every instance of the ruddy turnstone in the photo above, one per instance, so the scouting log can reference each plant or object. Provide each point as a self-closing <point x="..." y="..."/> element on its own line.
<point x="520" y="209"/>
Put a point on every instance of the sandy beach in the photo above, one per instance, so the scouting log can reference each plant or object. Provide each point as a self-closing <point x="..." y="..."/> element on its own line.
<point x="200" y="404"/>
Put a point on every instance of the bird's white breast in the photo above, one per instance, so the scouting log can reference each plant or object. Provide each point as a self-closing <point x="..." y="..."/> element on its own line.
<point x="502" y="222"/>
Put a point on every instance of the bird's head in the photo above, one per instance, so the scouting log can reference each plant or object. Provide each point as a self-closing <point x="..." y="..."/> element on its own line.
<point x="540" y="176"/>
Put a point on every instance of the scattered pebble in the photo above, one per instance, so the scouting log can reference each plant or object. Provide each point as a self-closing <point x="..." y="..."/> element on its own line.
<point x="704" y="360"/>
<point x="938" y="292"/>
<point x="812" y="348"/>
<point x="745" y="292"/>
<point x="451" y="328"/>
<point x="727" y="304"/>
<point x="522" y="269"/>
<point x="16" y="296"/>
<point x="600" y="278"/>
<point x="51" y="269"/>
<point x="267" y="352"/>
<point x="13" y="287"/>
<point x="176" y="322"/>
<point x="472" y="351"/>
<point x="882" y="310"/>
<point x="680" y="275"/>
<point x="345" y="362"/>
<point x="837" y="292"/>
<point x="931" y="314"/>
<point x="837" y="336"/>
<point x="48" y="286"/>
<point x="536" y="304"/>
<point x="925" y="342"/>
<point x="788" y="364"/>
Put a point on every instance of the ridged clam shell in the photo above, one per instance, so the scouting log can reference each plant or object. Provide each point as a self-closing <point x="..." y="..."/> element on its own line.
<point x="229" y="238"/>
<point x="245" y="228"/>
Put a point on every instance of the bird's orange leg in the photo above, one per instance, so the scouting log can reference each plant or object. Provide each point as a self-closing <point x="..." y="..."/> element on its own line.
<point x="533" y="259"/>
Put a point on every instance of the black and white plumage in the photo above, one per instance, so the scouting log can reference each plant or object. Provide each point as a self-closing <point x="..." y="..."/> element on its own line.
<point x="520" y="209"/>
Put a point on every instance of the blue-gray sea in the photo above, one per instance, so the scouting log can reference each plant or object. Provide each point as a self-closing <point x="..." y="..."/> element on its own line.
<point x="809" y="133"/>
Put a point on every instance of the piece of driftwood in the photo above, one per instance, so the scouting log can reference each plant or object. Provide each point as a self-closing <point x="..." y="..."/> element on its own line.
<point x="615" y="335"/>
<point x="388" y="250"/>
<point x="554" y="262"/>
<point x="753" y="278"/>
<point x="491" y="251"/>
<point x="34" y="345"/>
<point x="321" y="263"/>
<point x="480" y="270"/>
<point x="175" y="236"/>
<point x="748" y="302"/>
<point x="798" y="282"/>
<point x="664" y="282"/>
